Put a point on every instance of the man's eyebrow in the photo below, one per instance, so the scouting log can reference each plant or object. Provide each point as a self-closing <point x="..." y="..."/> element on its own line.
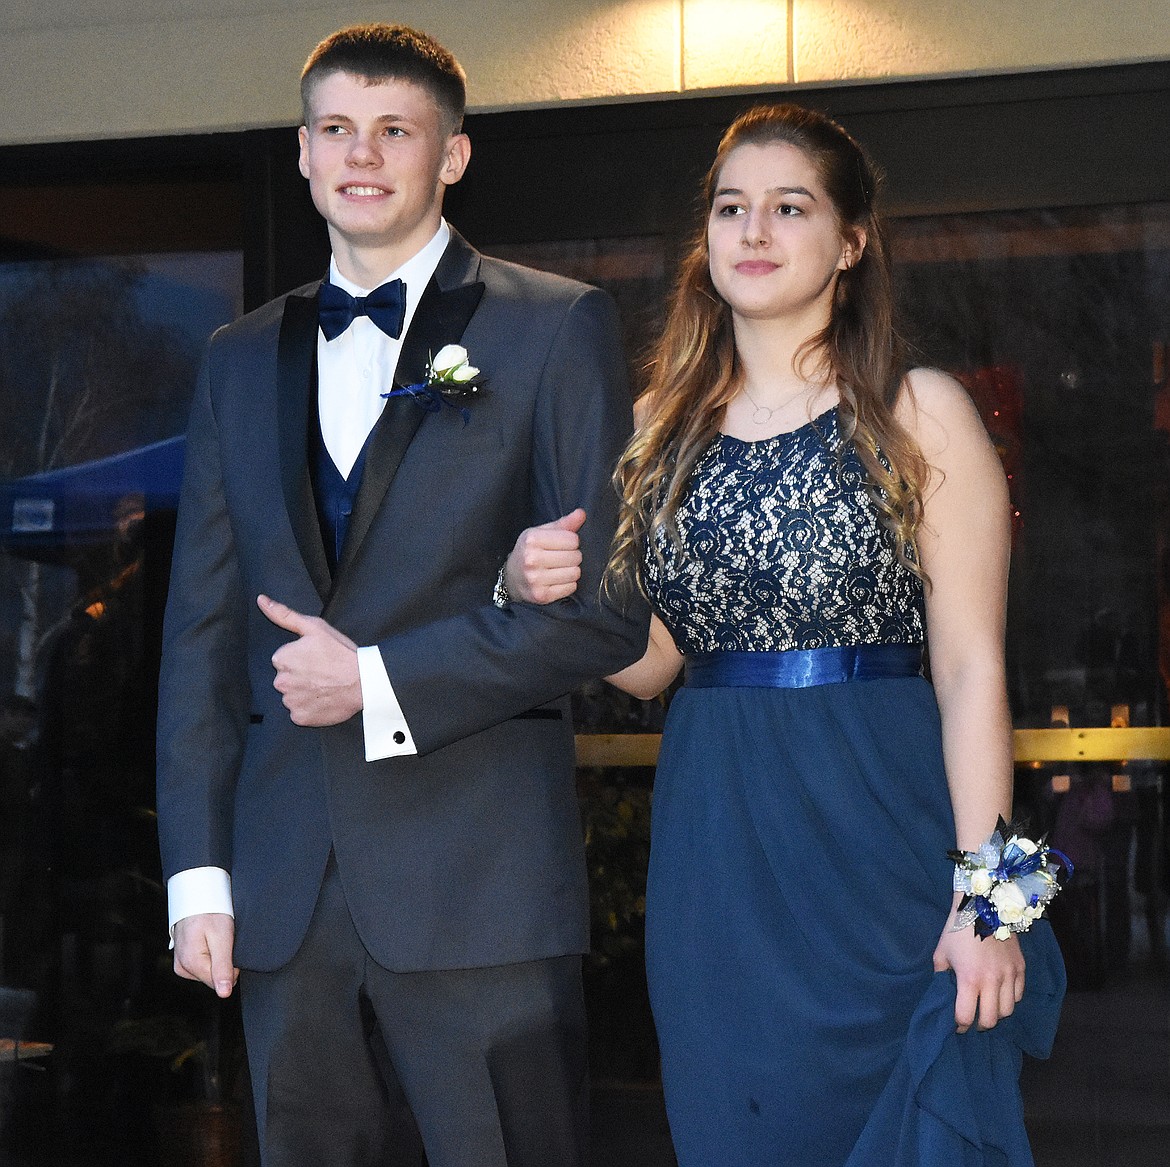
<point x="344" y="117"/>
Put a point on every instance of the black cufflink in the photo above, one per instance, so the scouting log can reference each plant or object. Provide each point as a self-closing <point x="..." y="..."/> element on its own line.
<point x="399" y="737"/>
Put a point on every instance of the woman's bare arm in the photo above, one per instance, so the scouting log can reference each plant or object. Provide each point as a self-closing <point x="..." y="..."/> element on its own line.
<point x="964" y="547"/>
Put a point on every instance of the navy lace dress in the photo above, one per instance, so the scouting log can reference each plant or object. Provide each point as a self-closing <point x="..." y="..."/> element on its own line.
<point x="798" y="875"/>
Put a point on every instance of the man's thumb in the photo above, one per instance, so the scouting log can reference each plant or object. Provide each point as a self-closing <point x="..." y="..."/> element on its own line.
<point x="573" y="521"/>
<point x="282" y="615"/>
<point x="223" y="975"/>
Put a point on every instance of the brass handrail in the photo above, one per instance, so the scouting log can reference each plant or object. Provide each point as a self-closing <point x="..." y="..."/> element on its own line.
<point x="618" y="749"/>
<point x="1095" y="744"/>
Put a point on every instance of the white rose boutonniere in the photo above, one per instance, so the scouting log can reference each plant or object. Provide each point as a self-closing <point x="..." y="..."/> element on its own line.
<point x="449" y="380"/>
<point x="451" y="366"/>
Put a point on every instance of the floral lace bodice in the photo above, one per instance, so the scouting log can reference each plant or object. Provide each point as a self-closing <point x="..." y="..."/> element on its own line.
<point x="781" y="549"/>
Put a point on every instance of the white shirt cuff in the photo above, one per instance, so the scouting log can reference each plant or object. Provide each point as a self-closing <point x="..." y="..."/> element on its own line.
<point x="196" y="891"/>
<point x="383" y="723"/>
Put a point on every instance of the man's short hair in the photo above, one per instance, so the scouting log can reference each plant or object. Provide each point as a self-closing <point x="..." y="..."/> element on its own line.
<point x="389" y="52"/>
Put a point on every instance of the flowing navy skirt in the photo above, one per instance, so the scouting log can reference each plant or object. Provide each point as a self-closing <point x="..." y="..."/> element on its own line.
<point x="798" y="886"/>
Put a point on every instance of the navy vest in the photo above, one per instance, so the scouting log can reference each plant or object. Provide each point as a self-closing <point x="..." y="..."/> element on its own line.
<point x="333" y="494"/>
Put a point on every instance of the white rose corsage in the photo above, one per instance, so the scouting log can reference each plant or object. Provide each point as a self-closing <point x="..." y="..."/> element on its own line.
<point x="450" y="379"/>
<point x="1007" y="883"/>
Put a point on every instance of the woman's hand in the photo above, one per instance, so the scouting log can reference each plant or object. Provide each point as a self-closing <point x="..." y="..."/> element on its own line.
<point x="545" y="564"/>
<point x="989" y="973"/>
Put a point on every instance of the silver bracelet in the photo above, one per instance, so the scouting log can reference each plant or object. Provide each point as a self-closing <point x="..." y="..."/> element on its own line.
<point x="500" y="596"/>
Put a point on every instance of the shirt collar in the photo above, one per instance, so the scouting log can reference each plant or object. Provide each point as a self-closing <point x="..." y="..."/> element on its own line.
<point x="416" y="272"/>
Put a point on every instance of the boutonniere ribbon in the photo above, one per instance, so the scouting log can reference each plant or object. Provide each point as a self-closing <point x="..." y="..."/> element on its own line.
<point x="450" y="379"/>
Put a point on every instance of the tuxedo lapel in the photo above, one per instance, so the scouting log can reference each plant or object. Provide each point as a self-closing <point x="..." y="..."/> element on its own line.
<point x="296" y="365"/>
<point x="442" y="316"/>
<point x="443" y="313"/>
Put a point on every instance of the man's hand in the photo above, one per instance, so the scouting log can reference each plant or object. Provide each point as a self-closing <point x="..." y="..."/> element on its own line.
<point x="203" y="951"/>
<point x="317" y="674"/>
<point x="545" y="564"/>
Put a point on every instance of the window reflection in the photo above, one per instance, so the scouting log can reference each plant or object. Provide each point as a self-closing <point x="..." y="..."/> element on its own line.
<point x="98" y="359"/>
<point x="1057" y="323"/>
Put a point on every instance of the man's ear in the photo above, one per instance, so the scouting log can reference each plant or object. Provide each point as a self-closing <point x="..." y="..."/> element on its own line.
<point x="457" y="157"/>
<point x="303" y="159"/>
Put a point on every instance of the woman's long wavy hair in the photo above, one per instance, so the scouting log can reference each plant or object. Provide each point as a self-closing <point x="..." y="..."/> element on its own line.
<point x="694" y="370"/>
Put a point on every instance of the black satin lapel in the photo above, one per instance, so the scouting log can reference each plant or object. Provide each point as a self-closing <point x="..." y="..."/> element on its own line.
<point x="440" y="319"/>
<point x="296" y="364"/>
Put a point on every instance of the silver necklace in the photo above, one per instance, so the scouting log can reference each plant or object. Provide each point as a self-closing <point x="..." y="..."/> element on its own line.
<point x="761" y="414"/>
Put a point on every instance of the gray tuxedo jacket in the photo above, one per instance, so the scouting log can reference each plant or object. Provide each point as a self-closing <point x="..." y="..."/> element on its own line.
<point x="469" y="853"/>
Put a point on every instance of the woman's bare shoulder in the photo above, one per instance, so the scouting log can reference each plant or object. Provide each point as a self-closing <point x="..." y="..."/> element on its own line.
<point x="938" y="412"/>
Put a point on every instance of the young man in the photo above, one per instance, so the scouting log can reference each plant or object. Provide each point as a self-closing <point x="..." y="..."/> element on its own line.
<point x="363" y="759"/>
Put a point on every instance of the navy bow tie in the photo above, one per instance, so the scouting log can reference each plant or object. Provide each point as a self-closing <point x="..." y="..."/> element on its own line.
<point x="385" y="306"/>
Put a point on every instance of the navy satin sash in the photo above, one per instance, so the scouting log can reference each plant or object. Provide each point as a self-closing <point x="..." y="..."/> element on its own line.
<point x="799" y="668"/>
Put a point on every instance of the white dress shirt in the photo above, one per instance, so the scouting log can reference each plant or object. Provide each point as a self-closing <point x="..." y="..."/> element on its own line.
<point x="353" y="371"/>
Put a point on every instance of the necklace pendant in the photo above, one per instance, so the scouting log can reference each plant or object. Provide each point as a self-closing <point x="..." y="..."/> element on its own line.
<point x="761" y="415"/>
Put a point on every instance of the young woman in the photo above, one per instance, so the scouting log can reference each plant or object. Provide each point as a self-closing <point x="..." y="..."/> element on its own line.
<point x="804" y="513"/>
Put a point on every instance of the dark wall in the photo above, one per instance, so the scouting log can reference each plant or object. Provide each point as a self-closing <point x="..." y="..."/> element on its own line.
<point x="1053" y="139"/>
